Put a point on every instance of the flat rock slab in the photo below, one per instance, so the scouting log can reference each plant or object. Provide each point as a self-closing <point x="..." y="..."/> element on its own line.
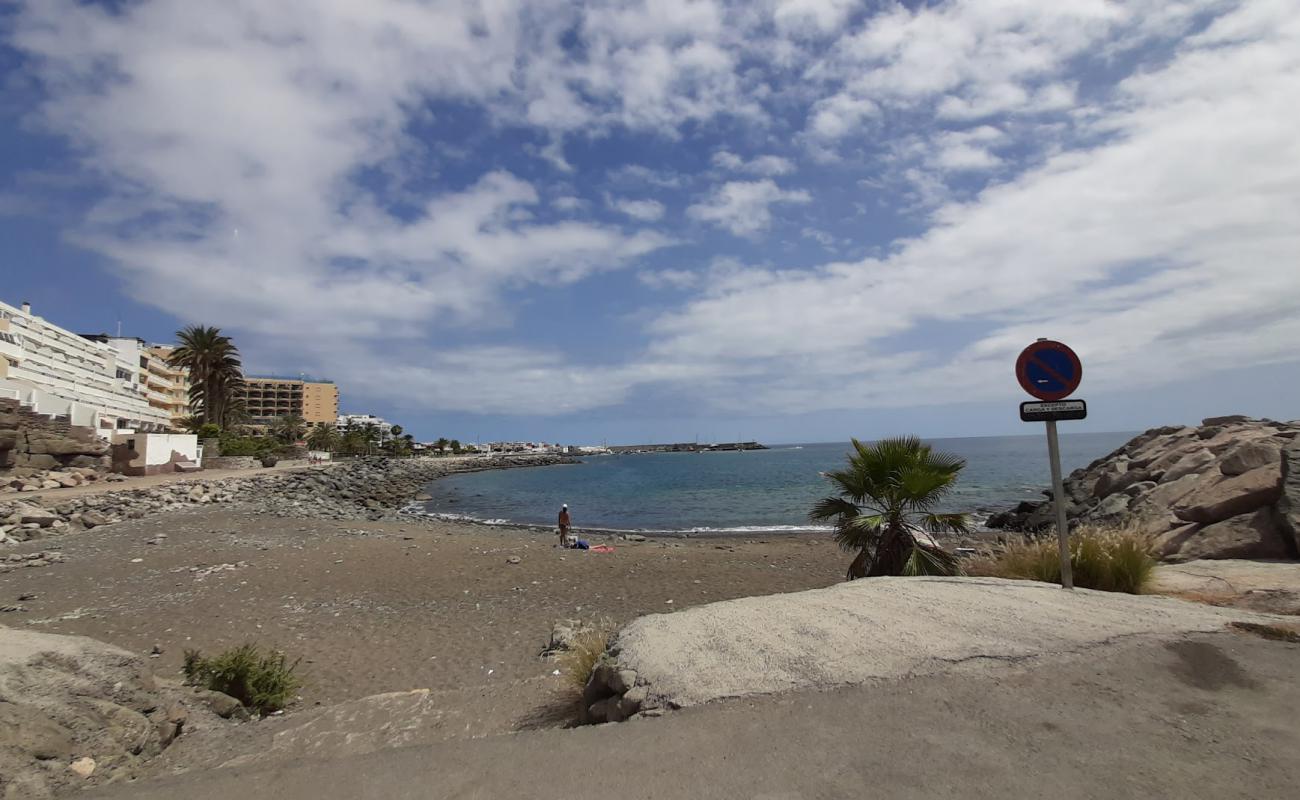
<point x="880" y="628"/>
<point x="1272" y="586"/>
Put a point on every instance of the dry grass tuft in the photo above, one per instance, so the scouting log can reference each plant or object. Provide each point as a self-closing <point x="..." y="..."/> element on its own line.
<point x="1107" y="559"/>
<point x="586" y="651"/>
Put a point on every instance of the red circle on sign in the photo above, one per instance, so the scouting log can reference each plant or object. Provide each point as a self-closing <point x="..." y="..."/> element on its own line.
<point x="1030" y="355"/>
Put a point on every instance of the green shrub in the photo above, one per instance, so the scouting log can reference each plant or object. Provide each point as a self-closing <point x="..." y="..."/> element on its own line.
<point x="1107" y="559"/>
<point x="262" y="681"/>
<point x="209" y="431"/>
<point x="259" y="446"/>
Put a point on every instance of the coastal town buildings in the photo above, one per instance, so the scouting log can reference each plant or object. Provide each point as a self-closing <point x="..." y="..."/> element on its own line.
<point x="166" y="388"/>
<point x="267" y="399"/>
<point x="172" y="384"/>
<point x="362" y="420"/>
<point x="92" y="382"/>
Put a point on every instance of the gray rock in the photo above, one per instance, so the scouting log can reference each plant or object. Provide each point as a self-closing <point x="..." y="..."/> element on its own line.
<point x="631" y="702"/>
<point x="599" y="711"/>
<point x="223" y="705"/>
<point x="1230" y="419"/>
<point x="1232" y="497"/>
<point x="1286" y="511"/>
<point x="1253" y="535"/>
<point x="1195" y="462"/>
<point x="28" y="729"/>
<point x="1139" y="488"/>
<point x="622" y="680"/>
<point x="1113" y="506"/>
<point x="1249" y="455"/>
<point x="94" y="519"/>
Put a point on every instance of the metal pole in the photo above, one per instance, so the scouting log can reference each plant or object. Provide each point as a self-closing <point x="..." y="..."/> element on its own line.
<point x="1058" y="496"/>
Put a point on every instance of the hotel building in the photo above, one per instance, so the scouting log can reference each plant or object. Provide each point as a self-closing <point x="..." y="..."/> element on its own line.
<point x="88" y="380"/>
<point x="269" y="399"/>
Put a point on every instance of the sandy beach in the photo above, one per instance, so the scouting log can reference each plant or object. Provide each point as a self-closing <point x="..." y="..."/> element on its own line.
<point x="379" y="606"/>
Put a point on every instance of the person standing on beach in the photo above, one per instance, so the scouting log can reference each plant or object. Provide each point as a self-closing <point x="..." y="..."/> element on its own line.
<point x="564" y="523"/>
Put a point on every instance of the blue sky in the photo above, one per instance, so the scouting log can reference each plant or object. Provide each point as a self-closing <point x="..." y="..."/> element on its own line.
<point x="788" y="220"/>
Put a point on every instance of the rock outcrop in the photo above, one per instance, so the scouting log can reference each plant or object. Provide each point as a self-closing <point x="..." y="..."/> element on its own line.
<point x="1229" y="488"/>
<point x="75" y="712"/>
<point x="39" y="452"/>
<point x="368" y="488"/>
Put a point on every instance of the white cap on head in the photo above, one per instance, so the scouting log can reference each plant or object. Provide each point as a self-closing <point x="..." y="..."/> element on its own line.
<point x="564" y="505"/>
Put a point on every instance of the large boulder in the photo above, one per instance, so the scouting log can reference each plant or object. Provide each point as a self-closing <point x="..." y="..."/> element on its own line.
<point x="1237" y="495"/>
<point x="1252" y="535"/>
<point x="63" y="698"/>
<point x="1249" y="455"/>
<point x="1287" y="510"/>
<point x="1191" y="463"/>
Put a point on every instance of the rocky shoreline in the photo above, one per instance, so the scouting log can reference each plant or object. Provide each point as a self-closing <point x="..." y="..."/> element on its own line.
<point x="361" y="489"/>
<point x="1228" y="488"/>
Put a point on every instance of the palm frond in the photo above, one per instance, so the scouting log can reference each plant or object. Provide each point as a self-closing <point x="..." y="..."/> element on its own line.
<point x="924" y="561"/>
<point x="946" y="523"/>
<point x="829" y="508"/>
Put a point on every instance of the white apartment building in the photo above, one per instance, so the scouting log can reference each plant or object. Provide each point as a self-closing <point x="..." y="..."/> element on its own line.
<point x="55" y="371"/>
<point x="362" y="420"/>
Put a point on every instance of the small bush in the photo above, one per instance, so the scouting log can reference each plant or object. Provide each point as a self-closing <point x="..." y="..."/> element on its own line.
<point x="232" y="445"/>
<point x="1110" y="560"/>
<point x="262" y="681"/>
<point x="584" y="654"/>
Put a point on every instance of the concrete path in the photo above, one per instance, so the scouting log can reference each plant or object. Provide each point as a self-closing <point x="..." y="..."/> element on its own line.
<point x="865" y="630"/>
<point x="1200" y="716"/>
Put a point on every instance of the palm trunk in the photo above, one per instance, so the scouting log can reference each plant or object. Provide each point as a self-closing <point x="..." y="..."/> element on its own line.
<point x="858" y="567"/>
<point x="892" y="553"/>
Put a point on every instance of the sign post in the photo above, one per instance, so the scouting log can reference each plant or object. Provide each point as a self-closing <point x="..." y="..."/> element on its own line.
<point x="1051" y="371"/>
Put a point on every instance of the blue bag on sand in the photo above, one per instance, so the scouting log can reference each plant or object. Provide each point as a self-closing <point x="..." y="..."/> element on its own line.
<point x="581" y="545"/>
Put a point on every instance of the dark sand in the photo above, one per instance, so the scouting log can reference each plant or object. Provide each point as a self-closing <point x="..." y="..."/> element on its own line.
<point x="379" y="607"/>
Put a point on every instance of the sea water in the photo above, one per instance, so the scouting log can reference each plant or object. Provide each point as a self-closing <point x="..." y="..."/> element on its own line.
<point x="736" y="492"/>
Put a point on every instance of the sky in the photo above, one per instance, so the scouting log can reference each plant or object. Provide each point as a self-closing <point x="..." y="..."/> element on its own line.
<point x="783" y="220"/>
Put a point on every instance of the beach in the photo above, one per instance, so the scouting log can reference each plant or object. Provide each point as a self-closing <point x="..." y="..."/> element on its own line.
<point x="380" y="606"/>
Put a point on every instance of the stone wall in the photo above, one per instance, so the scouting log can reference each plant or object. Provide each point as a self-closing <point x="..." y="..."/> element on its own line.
<point x="31" y="443"/>
<point x="231" y="462"/>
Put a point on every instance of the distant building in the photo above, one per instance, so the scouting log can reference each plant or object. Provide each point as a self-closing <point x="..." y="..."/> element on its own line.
<point x="361" y="420"/>
<point x="169" y="387"/>
<point x="268" y="399"/>
<point x="166" y="388"/>
<point x="88" y="380"/>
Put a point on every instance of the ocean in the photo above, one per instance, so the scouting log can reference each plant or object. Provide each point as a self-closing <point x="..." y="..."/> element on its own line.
<point x="737" y="492"/>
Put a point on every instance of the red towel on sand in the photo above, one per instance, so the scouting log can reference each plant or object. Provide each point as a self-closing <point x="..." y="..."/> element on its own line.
<point x="601" y="548"/>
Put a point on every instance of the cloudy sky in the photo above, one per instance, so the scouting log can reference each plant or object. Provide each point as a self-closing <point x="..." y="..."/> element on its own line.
<point x="790" y="220"/>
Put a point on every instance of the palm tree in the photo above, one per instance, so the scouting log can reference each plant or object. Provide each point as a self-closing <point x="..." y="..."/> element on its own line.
<point x="885" y="507"/>
<point x="395" y="430"/>
<point x="290" y="428"/>
<point x="324" y="438"/>
<point x="455" y="446"/>
<point x="370" y="435"/>
<point x="441" y="444"/>
<point x="215" y="372"/>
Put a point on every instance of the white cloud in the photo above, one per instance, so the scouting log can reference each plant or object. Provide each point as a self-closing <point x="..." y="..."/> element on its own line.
<point x="1153" y="260"/>
<point x="569" y="203"/>
<point x="280" y="168"/>
<point x="744" y="207"/>
<point x="669" y="278"/>
<point x="765" y="165"/>
<point x="644" y="210"/>
<point x="811" y="16"/>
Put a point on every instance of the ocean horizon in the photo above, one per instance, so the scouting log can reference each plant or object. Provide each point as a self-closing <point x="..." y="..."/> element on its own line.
<point x="721" y="493"/>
